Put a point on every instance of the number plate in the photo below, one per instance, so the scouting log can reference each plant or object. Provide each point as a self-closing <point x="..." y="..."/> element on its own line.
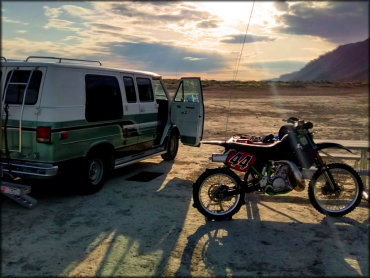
<point x="10" y="190"/>
<point x="240" y="161"/>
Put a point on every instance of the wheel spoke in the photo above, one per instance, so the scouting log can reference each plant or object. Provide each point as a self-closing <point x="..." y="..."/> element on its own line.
<point x="344" y="197"/>
<point x="221" y="207"/>
<point x="211" y="192"/>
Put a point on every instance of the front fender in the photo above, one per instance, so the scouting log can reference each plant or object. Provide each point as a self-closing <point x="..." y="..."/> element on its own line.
<point x="321" y="146"/>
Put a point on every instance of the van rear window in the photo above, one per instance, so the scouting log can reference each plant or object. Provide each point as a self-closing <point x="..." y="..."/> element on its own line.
<point x="15" y="88"/>
<point x="103" y="98"/>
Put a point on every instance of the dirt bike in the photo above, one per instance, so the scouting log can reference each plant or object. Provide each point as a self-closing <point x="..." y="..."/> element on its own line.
<point x="276" y="167"/>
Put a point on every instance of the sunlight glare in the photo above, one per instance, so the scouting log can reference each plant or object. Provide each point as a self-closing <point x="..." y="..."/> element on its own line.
<point x="90" y="265"/>
<point x="236" y="14"/>
<point x="353" y="263"/>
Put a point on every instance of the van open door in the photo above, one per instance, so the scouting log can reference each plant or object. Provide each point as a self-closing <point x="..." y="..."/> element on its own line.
<point x="187" y="110"/>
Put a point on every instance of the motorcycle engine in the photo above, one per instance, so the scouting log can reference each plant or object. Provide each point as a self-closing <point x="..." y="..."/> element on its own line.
<point x="280" y="181"/>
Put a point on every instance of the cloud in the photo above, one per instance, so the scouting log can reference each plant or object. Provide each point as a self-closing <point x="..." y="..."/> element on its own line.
<point x="69" y="47"/>
<point x="53" y="14"/>
<point x="8" y="20"/>
<point x="281" y="6"/>
<point x="194" y="59"/>
<point x="61" y="25"/>
<point x="208" y="24"/>
<point x="249" y="39"/>
<point x="15" y="48"/>
<point x="106" y="27"/>
<point x="160" y="57"/>
<point x="108" y="34"/>
<point x="336" y="21"/>
<point x="126" y="10"/>
<point x="77" y="11"/>
<point x="170" y="13"/>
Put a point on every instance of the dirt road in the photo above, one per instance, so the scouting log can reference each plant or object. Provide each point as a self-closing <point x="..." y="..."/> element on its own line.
<point x="150" y="228"/>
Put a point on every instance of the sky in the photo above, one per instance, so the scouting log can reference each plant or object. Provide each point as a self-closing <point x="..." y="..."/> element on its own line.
<point x="175" y="39"/>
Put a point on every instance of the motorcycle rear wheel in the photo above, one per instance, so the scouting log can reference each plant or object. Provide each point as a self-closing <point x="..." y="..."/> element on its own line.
<point x="208" y="190"/>
<point x="339" y="203"/>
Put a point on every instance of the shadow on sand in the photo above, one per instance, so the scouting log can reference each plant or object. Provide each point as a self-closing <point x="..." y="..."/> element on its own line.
<point x="126" y="229"/>
<point x="131" y="228"/>
<point x="251" y="247"/>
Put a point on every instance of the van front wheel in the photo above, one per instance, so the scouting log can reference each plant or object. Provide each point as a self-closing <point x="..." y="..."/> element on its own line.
<point x="93" y="174"/>
<point x="172" y="147"/>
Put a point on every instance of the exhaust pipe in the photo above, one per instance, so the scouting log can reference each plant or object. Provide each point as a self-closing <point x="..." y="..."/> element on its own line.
<point x="297" y="174"/>
<point x="219" y="157"/>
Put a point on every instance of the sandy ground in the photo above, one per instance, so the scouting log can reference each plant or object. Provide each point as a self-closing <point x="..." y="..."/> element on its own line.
<point x="151" y="229"/>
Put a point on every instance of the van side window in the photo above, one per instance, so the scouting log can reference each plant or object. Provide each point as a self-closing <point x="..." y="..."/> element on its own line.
<point x="188" y="91"/>
<point x="191" y="90"/>
<point x="145" y="89"/>
<point x="180" y="93"/>
<point x="14" y="93"/>
<point x="159" y="90"/>
<point x="103" y="98"/>
<point x="130" y="89"/>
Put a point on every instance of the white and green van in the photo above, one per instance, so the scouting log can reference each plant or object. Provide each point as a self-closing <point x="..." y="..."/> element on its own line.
<point x="60" y="114"/>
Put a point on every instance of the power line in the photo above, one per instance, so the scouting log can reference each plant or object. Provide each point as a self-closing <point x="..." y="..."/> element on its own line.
<point x="237" y="67"/>
<point x="241" y="51"/>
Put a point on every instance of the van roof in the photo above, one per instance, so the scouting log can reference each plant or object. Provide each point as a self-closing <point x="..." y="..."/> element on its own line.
<point x="16" y="63"/>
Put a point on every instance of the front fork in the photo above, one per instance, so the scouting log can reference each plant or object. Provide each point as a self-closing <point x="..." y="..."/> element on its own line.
<point x="320" y="163"/>
<point x="327" y="175"/>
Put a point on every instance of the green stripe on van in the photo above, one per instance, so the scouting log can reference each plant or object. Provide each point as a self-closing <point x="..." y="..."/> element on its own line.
<point x="81" y="136"/>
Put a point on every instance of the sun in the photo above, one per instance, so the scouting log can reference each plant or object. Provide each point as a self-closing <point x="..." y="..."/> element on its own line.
<point x="235" y="15"/>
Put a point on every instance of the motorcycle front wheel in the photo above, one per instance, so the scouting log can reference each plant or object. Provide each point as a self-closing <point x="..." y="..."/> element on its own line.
<point x="209" y="194"/>
<point x="340" y="201"/>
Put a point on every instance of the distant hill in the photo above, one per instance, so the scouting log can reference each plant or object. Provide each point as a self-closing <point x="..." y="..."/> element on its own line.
<point x="348" y="62"/>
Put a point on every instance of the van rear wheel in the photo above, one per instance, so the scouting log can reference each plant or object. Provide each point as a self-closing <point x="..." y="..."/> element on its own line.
<point x="94" y="173"/>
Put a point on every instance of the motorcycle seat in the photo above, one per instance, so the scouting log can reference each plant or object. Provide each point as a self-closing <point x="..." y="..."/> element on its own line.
<point x="260" y="149"/>
<point x="256" y="144"/>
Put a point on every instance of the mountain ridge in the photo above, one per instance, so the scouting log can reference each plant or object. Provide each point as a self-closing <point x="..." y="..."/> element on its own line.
<point x="349" y="62"/>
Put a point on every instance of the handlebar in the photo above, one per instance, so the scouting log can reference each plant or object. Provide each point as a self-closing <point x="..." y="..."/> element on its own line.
<point x="299" y="124"/>
<point x="308" y="125"/>
<point x="291" y="120"/>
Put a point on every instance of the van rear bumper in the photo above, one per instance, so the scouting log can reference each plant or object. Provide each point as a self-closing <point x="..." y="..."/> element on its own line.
<point x="30" y="170"/>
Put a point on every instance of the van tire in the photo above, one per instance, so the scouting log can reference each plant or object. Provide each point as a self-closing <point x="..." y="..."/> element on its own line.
<point x="172" y="147"/>
<point x="94" y="173"/>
